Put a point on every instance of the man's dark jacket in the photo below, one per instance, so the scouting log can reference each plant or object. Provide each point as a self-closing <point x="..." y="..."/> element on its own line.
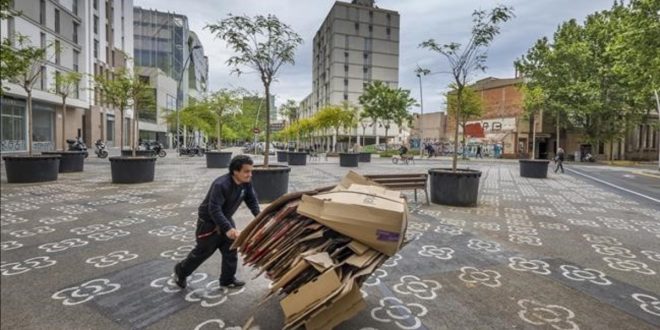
<point x="223" y="199"/>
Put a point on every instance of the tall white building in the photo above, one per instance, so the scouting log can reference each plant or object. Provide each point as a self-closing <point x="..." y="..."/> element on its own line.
<point x="93" y="36"/>
<point x="357" y="43"/>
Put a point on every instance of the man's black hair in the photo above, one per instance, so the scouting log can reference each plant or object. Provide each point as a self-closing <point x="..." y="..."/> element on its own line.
<point x="238" y="162"/>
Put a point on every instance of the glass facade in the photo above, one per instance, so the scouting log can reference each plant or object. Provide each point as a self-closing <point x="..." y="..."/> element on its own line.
<point x="13" y="125"/>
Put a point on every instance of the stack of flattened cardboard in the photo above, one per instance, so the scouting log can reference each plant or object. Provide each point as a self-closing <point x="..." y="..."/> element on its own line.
<point x="318" y="247"/>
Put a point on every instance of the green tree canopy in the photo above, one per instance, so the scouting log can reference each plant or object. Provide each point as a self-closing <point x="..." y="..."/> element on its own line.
<point x="385" y="104"/>
<point x="262" y="43"/>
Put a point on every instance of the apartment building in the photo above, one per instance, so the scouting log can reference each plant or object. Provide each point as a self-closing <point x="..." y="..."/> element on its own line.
<point x="356" y="44"/>
<point x="92" y="37"/>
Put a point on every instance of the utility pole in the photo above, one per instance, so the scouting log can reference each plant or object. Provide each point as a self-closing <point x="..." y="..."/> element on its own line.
<point x="421" y="72"/>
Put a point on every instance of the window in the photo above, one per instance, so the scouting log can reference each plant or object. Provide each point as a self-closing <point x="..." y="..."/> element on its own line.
<point x="365" y="55"/>
<point x="43" y="39"/>
<point x="96" y="4"/>
<point x="11" y="28"/>
<point x="96" y="49"/>
<point x="346" y="54"/>
<point x="76" y="59"/>
<point x="365" y="69"/>
<point x="96" y="24"/>
<point x="389" y="17"/>
<point x="345" y="96"/>
<point x="107" y="33"/>
<point x="42" y="12"/>
<point x="74" y="7"/>
<point x="13" y="125"/>
<point x="75" y="32"/>
<point x="371" y="14"/>
<point x="357" y="27"/>
<point x="388" y="31"/>
<point x="58" y="52"/>
<point x="345" y="82"/>
<point x="42" y="80"/>
<point x="371" y="28"/>
<point x="57" y="81"/>
<point x="345" y="68"/>
<point x="110" y="128"/>
<point x="57" y="20"/>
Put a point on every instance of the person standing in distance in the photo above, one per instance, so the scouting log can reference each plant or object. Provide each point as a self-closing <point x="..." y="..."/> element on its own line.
<point x="216" y="228"/>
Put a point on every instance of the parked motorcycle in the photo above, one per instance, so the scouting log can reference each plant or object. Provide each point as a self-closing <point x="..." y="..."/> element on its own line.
<point x="192" y="151"/>
<point x="77" y="144"/>
<point x="100" y="149"/>
<point x="157" y="147"/>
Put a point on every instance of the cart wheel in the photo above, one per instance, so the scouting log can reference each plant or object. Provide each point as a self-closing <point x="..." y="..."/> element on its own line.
<point x="395" y="160"/>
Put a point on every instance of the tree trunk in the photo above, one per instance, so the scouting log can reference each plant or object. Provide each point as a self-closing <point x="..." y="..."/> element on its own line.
<point x="611" y="150"/>
<point x="136" y="130"/>
<point x="454" y="161"/>
<point x="533" y="137"/>
<point x="386" y="144"/>
<point x="217" y="128"/>
<point x="64" y="123"/>
<point x="267" y="148"/>
<point x="336" y="141"/>
<point x="29" y="108"/>
<point x="558" y="132"/>
<point x="121" y="128"/>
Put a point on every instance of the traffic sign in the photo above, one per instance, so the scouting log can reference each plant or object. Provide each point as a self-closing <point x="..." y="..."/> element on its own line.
<point x="256" y="130"/>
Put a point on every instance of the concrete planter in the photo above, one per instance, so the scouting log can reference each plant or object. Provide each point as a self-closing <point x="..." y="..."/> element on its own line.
<point x="70" y="161"/>
<point x="348" y="159"/>
<point x="138" y="153"/>
<point x="534" y="168"/>
<point x="297" y="158"/>
<point x="282" y="156"/>
<point x="460" y="188"/>
<point x="132" y="169"/>
<point x="270" y="182"/>
<point x="218" y="159"/>
<point x="365" y="157"/>
<point x="29" y="169"/>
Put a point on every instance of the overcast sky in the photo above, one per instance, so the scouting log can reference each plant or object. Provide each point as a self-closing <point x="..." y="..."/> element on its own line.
<point x="445" y="21"/>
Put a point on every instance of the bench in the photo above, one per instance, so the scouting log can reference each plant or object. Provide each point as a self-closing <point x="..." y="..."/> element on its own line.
<point x="402" y="182"/>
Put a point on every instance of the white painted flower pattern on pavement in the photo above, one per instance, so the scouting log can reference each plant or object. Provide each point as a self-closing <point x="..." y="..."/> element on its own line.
<point x="536" y="313"/>
<point x="584" y="274"/>
<point x="653" y="255"/>
<point x="422" y="289"/>
<point x="405" y="316"/>
<point x="647" y="303"/>
<point x="217" y="324"/>
<point x="442" y="253"/>
<point x="179" y="254"/>
<point x="613" y="251"/>
<point x="375" y="277"/>
<point x="627" y="265"/>
<point x="111" y="259"/>
<point x="393" y="260"/>
<point x="85" y="292"/>
<point x="212" y="294"/>
<point x="479" y="245"/>
<point x="167" y="283"/>
<point x="608" y="240"/>
<point x="529" y="265"/>
<point x="474" y="276"/>
<point x="63" y="245"/>
<point x="15" y="268"/>
<point x="10" y="245"/>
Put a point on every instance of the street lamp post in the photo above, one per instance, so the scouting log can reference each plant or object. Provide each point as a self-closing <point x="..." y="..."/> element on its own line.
<point x="183" y="70"/>
<point x="421" y="72"/>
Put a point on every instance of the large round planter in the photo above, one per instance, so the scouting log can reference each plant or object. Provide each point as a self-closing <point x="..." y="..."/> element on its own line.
<point x="348" y="159"/>
<point x="534" y="168"/>
<point x="70" y="161"/>
<point x="270" y="182"/>
<point x="29" y="169"/>
<point x="218" y="159"/>
<point x="460" y="188"/>
<point x="132" y="169"/>
<point x="297" y="158"/>
<point x="282" y="156"/>
<point x="365" y="157"/>
<point x="138" y="153"/>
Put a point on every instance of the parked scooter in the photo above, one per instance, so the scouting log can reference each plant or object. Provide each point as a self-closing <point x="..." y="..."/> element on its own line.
<point x="77" y="144"/>
<point x="157" y="147"/>
<point x="100" y="149"/>
<point x="192" y="151"/>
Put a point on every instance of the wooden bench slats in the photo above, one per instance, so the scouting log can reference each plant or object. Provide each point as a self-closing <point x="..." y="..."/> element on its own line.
<point x="402" y="182"/>
<point x="385" y="176"/>
<point x="395" y="180"/>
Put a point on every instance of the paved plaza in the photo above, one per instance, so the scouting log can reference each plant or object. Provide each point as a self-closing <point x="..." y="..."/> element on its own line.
<point x="561" y="253"/>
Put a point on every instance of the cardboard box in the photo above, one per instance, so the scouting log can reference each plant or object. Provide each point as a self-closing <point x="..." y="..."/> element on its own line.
<point x="371" y="215"/>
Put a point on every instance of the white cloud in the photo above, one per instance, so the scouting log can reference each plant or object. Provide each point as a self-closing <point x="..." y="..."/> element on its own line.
<point x="444" y="21"/>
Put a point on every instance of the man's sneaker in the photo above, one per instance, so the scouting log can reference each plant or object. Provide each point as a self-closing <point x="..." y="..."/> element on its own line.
<point x="234" y="284"/>
<point x="178" y="279"/>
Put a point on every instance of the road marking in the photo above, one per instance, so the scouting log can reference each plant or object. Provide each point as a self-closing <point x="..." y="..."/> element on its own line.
<point x="614" y="186"/>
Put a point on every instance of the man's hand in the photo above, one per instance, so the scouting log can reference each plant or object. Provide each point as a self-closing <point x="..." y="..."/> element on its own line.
<point x="232" y="233"/>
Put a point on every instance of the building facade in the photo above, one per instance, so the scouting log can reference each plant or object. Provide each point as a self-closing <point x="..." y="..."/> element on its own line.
<point x="163" y="40"/>
<point x="92" y="37"/>
<point x="356" y="44"/>
<point x="431" y="127"/>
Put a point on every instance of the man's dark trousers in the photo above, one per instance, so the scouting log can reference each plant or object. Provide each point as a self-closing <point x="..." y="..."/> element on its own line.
<point x="208" y="240"/>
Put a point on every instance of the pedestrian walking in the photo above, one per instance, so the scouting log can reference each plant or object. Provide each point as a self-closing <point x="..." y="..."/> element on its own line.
<point x="216" y="229"/>
<point x="559" y="160"/>
<point x="479" y="152"/>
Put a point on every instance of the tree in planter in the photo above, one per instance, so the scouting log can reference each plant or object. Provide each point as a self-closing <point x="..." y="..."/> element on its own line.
<point x="472" y="107"/>
<point x="223" y="103"/>
<point x="385" y="104"/>
<point x="349" y="120"/>
<point x="533" y="102"/>
<point x="289" y="111"/>
<point x="466" y="60"/>
<point x="264" y="44"/>
<point x="65" y="84"/>
<point x="198" y="115"/>
<point x="24" y="69"/>
<point x="122" y="91"/>
<point x="332" y="116"/>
